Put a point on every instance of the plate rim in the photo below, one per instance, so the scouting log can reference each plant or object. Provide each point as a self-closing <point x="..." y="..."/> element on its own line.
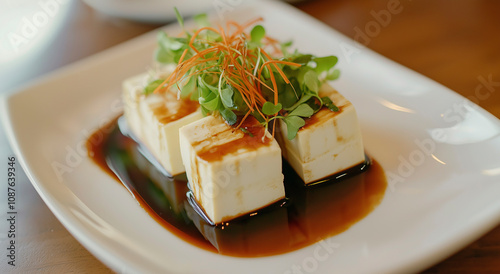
<point x="488" y="221"/>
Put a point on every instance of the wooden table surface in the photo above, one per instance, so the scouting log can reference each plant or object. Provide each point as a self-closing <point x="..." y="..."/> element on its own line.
<point x="456" y="43"/>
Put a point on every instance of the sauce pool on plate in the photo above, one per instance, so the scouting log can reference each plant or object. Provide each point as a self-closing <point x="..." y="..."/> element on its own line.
<point x="309" y="213"/>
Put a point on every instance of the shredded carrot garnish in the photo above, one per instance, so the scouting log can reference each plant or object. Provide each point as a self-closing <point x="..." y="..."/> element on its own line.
<point x="241" y="67"/>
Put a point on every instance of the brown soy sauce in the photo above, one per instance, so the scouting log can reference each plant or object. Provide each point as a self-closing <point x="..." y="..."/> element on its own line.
<point x="307" y="215"/>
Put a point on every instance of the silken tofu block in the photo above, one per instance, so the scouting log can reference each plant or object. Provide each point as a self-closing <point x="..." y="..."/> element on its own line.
<point x="329" y="143"/>
<point x="155" y="120"/>
<point x="230" y="172"/>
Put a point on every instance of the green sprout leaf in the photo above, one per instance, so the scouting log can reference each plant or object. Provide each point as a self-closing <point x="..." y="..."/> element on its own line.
<point x="258" y="32"/>
<point x="303" y="59"/>
<point x="325" y="63"/>
<point x="170" y="48"/>
<point x="311" y="81"/>
<point x="284" y="48"/>
<point x="226" y="96"/>
<point x="162" y="56"/>
<point x="329" y="104"/>
<point x="287" y="96"/>
<point x="229" y="116"/>
<point x="171" y="43"/>
<point x="246" y="131"/>
<point x="270" y="109"/>
<point x="239" y="103"/>
<point x="211" y="102"/>
<point x="303" y="110"/>
<point x="201" y="20"/>
<point x="189" y="87"/>
<point x="293" y="124"/>
<point x="179" y="17"/>
<point x="302" y="100"/>
<point x="152" y="86"/>
<point x="204" y="111"/>
<point x="259" y="117"/>
<point x="333" y="74"/>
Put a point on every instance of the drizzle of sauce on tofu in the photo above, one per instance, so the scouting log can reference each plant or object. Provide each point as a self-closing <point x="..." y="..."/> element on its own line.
<point x="181" y="108"/>
<point x="320" y="117"/>
<point x="310" y="214"/>
<point x="252" y="140"/>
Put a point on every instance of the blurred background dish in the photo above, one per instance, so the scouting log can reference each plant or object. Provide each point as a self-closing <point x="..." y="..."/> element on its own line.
<point x="153" y="11"/>
<point x="162" y="11"/>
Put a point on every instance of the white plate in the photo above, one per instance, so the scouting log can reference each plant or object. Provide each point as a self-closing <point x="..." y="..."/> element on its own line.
<point x="440" y="203"/>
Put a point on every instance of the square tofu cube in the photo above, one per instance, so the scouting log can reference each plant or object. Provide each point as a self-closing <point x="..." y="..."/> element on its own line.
<point x="231" y="173"/>
<point x="155" y="120"/>
<point x="329" y="143"/>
